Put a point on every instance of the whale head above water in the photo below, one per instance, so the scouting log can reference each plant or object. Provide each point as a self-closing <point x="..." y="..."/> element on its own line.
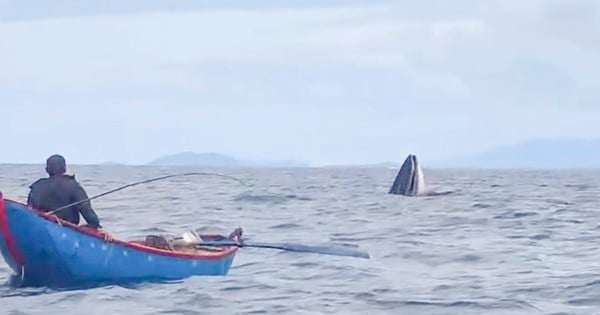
<point x="410" y="180"/>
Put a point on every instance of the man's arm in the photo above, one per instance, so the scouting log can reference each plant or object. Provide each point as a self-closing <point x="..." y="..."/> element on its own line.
<point x="29" y="199"/>
<point x="33" y="196"/>
<point x="85" y="208"/>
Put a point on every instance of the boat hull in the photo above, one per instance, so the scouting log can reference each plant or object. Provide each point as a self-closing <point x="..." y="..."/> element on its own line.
<point x="43" y="252"/>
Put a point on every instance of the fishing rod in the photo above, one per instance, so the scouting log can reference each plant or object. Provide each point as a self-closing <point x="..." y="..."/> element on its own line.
<point x="145" y="182"/>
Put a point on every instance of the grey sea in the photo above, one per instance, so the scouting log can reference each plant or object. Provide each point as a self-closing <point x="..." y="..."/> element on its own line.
<point x="505" y="242"/>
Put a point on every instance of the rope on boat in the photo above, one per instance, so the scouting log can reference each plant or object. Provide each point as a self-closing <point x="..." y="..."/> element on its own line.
<point x="148" y="181"/>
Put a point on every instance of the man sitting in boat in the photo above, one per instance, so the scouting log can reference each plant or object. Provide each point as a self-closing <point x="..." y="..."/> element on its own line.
<point x="60" y="189"/>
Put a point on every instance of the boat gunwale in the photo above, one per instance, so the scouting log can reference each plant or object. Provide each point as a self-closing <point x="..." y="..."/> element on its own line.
<point x="229" y="250"/>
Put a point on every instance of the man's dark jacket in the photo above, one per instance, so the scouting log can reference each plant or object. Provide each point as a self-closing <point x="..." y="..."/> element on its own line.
<point x="51" y="193"/>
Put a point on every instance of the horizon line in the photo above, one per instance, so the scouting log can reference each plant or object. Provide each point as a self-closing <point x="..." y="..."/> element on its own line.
<point x="325" y="166"/>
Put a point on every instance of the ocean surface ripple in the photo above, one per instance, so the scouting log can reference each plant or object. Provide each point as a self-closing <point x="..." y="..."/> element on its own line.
<point x="506" y="242"/>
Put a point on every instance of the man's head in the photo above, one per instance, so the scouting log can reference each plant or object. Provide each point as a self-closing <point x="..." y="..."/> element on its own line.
<point x="56" y="165"/>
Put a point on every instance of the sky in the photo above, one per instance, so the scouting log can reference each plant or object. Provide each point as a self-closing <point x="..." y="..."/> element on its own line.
<point x="327" y="82"/>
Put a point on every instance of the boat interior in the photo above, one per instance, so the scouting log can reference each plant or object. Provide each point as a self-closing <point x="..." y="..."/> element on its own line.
<point x="190" y="243"/>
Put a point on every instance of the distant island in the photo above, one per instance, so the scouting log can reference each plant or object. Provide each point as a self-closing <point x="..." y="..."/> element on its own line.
<point x="219" y="160"/>
<point x="534" y="154"/>
<point x="570" y="153"/>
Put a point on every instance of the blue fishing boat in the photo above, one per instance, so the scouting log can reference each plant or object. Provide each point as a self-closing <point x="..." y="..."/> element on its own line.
<point x="44" y="250"/>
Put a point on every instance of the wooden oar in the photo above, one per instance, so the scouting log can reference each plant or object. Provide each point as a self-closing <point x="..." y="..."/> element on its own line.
<point x="336" y="250"/>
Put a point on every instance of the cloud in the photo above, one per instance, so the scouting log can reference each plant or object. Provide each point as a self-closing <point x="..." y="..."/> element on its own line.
<point x="326" y="83"/>
<point x="88" y="52"/>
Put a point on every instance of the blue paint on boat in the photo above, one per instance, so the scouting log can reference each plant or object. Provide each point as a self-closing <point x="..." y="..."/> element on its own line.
<point x="64" y="255"/>
<point x="6" y="254"/>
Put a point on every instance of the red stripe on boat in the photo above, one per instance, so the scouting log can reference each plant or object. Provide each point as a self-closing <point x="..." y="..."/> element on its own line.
<point x="8" y="238"/>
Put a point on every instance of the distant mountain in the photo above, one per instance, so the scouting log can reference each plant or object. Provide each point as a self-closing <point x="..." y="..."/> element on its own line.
<point x="218" y="160"/>
<point x="190" y="158"/>
<point x="535" y="154"/>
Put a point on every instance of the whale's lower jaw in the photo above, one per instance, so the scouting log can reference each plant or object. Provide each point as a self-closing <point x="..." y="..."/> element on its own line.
<point x="410" y="180"/>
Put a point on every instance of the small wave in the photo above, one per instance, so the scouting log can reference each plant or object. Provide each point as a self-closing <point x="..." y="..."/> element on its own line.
<point x="526" y="290"/>
<point x="286" y="226"/>
<point x="558" y="202"/>
<point x="517" y="214"/>
<point x="246" y="287"/>
<point x="447" y="304"/>
<point x="575" y="221"/>
<point x="73" y="297"/>
<point x="538" y="237"/>
<point x="594" y="283"/>
<point x="270" y="198"/>
<point x="579" y="187"/>
<point x="501" y="304"/>
<point x="178" y="311"/>
<point x="583" y="301"/>
<point x="13" y="291"/>
<point x="306" y="264"/>
<point x="468" y="258"/>
<point x="442" y="287"/>
<point x="314" y="187"/>
<point x="441" y="193"/>
<point x="395" y="304"/>
<point x="298" y="197"/>
<point x="248" y="264"/>
<point x="357" y="239"/>
<point x="359" y="221"/>
<point x="256" y="312"/>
